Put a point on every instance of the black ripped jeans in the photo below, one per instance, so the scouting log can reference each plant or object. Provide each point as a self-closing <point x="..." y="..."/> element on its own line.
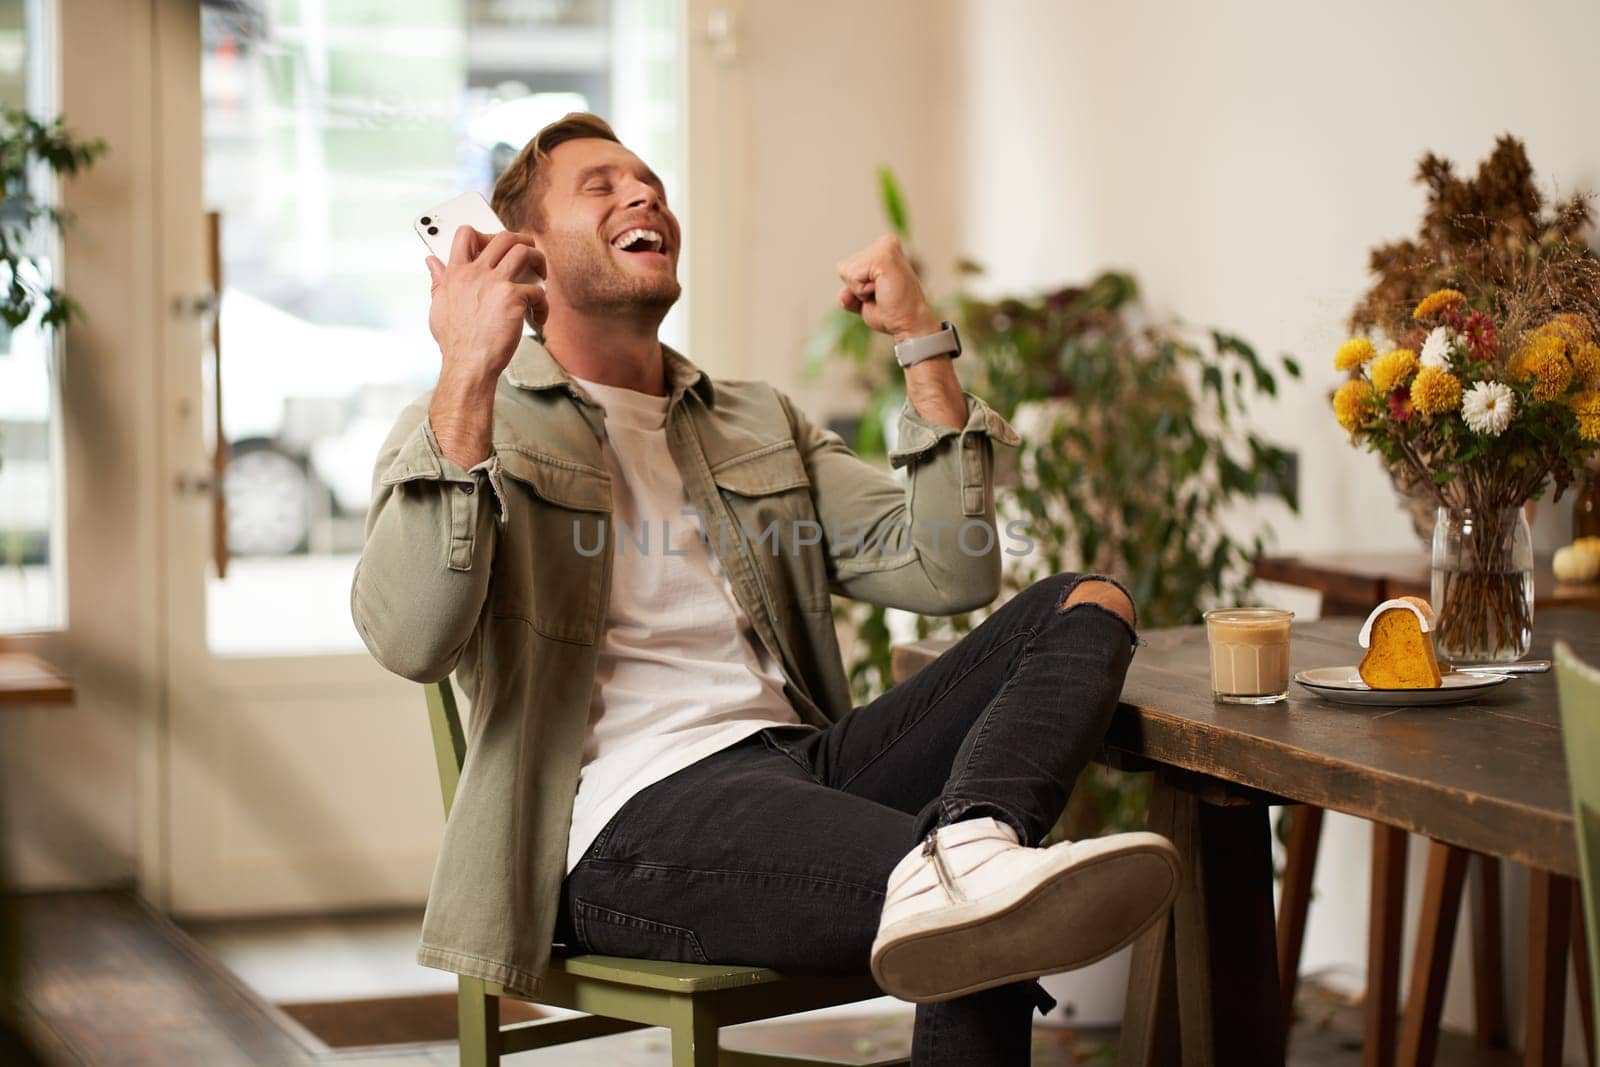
<point x="775" y="851"/>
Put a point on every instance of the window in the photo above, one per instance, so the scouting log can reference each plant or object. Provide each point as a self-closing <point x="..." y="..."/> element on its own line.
<point x="328" y="129"/>
<point x="32" y="569"/>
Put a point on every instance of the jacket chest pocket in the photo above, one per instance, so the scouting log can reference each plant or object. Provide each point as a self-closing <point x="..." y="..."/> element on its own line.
<point x="769" y="495"/>
<point x="562" y="548"/>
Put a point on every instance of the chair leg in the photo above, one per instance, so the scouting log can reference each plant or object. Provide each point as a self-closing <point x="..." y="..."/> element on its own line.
<point x="1299" y="865"/>
<point x="1430" y="966"/>
<point x="1385" y="928"/>
<point x="478" y="1016"/>
<point x="1580" y="972"/>
<point x="694" y="1034"/>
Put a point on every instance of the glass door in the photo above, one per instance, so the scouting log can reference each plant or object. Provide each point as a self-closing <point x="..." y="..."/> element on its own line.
<point x="301" y="772"/>
<point x="327" y="127"/>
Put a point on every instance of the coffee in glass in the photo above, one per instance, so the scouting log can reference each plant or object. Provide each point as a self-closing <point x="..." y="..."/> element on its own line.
<point x="1249" y="654"/>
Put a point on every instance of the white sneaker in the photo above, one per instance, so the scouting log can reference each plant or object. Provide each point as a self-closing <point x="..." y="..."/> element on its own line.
<point x="970" y="908"/>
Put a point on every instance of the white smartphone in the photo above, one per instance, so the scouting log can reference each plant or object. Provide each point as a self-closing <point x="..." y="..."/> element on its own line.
<point x="437" y="228"/>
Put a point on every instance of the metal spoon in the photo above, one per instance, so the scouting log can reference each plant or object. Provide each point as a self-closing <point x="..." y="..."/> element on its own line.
<point x="1527" y="666"/>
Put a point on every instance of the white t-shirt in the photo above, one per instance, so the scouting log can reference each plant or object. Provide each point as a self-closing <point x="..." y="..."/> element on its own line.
<point x="681" y="674"/>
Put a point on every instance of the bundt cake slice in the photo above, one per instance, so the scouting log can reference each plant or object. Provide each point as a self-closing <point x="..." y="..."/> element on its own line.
<point x="1398" y="637"/>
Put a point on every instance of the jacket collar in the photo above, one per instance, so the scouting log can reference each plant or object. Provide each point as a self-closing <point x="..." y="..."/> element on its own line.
<point x="533" y="367"/>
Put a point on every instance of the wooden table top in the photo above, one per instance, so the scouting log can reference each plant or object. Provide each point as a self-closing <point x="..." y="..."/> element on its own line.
<point x="29" y="680"/>
<point x="1488" y="775"/>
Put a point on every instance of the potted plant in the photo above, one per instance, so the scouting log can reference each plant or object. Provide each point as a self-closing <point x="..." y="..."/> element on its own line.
<point x="1132" y="451"/>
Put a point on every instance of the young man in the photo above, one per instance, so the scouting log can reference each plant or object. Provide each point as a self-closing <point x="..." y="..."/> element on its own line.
<point x="628" y="567"/>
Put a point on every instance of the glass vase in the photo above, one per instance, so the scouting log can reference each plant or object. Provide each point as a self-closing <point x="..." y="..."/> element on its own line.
<point x="1482" y="585"/>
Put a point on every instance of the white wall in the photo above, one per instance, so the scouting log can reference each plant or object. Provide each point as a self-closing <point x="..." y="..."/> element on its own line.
<point x="1243" y="157"/>
<point x="817" y="97"/>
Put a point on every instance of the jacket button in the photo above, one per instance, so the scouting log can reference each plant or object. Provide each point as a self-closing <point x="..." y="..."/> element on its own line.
<point x="467" y="487"/>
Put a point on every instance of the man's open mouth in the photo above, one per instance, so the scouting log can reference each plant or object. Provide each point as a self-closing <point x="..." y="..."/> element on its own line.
<point x="640" y="242"/>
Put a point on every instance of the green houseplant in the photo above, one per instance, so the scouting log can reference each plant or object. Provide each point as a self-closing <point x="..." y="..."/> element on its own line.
<point x="1132" y="453"/>
<point x="28" y="147"/>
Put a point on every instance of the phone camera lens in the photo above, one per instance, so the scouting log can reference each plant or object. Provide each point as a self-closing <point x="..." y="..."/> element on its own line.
<point x="426" y="220"/>
<point x="433" y="231"/>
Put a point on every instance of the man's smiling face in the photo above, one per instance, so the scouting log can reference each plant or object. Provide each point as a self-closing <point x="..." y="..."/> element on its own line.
<point x="610" y="242"/>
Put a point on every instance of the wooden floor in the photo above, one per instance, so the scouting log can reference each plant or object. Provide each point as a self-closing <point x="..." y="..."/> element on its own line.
<point x="108" y="981"/>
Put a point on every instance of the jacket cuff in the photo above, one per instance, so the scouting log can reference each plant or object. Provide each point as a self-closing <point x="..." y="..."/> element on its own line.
<point x="918" y="436"/>
<point x="421" y="459"/>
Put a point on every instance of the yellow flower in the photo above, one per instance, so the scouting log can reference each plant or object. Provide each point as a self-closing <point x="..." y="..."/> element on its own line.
<point x="1544" y="359"/>
<point x="1570" y="327"/>
<point x="1392" y="369"/>
<point x="1586" y="405"/>
<point x="1437" y="301"/>
<point x="1436" y="391"/>
<point x="1350" y="401"/>
<point x="1353" y="353"/>
<point x="1585" y="364"/>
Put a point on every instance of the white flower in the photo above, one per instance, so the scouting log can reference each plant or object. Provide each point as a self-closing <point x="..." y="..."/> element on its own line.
<point x="1436" y="349"/>
<point x="1488" y="407"/>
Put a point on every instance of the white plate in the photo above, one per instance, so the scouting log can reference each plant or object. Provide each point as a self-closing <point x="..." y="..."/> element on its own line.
<point x="1344" y="685"/>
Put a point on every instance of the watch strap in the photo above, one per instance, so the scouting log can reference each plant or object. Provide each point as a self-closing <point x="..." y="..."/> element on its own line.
<point x="944" y="343"/>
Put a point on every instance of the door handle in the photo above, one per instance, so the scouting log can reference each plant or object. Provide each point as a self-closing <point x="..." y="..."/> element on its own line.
<point x="196" y="305"/>
<point x="219" y="449"/>
<point x="190" y="484"/>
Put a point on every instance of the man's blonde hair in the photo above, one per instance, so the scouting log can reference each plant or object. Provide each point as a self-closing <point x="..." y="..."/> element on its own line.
<point x="519" y="191"/>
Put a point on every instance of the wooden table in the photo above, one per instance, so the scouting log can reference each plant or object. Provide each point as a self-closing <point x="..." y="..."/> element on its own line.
<point x="27" y="680"/>
<point x="1353" y="583"/>
<point x="1488" y="776"/>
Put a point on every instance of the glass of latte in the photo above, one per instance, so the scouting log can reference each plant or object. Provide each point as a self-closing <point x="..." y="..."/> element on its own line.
<point x="1249" y="654"/>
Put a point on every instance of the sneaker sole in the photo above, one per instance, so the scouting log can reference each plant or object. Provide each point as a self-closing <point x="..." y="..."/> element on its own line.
<point x="1068" y="919"/>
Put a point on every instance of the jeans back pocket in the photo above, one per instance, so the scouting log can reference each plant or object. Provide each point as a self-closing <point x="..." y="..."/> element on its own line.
<point x="616" y="933"/>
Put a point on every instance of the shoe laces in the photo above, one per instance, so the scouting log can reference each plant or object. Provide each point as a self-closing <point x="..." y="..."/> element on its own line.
<point x="933" y="851"/>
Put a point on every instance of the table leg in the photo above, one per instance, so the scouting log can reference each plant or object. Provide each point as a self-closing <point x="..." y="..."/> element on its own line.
<point x="1385" y="929"/>
<point x="1299" y="865"/>
<point x="1150" y="1014"/>
<point x="1430" y="965"/>
<point x="1488" y="965"/>
<point x="1582" y="975"/>
<point x="1549" y="920"/>
<point x="1227" y="976"/>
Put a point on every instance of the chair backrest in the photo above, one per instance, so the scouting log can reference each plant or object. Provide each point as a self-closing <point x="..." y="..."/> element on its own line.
<point x="1579" y="686"/>
<point x="449" y="742"/>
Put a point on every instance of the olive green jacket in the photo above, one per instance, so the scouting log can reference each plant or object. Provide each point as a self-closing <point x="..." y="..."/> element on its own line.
<point x="501" y="574"/>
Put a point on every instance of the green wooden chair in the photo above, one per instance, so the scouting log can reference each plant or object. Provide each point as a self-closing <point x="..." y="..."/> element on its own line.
<point x="692" y="1000"/>
<point x="1579" y="686"/>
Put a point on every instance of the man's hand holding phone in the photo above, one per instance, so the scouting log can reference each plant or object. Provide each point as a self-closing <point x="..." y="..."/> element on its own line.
<point x="480" y="301"/>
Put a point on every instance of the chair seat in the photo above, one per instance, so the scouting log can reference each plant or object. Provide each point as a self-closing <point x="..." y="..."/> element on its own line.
<point x="658" y="974"/>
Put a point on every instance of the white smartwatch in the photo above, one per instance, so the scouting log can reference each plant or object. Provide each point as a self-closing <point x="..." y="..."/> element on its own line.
<point x="944" y="343"/>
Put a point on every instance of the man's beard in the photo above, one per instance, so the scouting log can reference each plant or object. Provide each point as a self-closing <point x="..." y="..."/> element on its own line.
<point x="592" y="282"/>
